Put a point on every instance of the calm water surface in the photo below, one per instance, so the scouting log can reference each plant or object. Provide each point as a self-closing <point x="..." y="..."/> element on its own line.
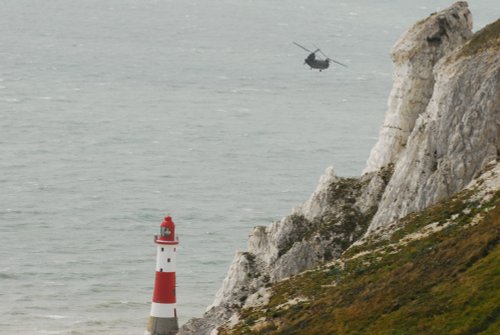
<point x="114" y="113"/>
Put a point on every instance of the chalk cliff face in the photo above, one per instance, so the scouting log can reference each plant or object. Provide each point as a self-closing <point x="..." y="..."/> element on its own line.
<point x="414" y="57"/>
<point x="441" y="129"/>
<point x="453" y="139"/>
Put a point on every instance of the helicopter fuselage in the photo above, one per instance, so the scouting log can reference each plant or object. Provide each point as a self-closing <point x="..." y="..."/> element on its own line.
<point x="314" y="63"/>
<point x="320" y="64"/>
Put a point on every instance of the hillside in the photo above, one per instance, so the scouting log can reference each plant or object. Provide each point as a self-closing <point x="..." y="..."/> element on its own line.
<point x="438" y="273"/>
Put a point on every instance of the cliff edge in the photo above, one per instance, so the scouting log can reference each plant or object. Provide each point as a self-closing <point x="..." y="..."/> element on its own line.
<point x="440" y="133"/>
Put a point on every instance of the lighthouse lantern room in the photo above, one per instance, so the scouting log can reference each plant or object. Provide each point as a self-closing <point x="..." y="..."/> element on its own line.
<point x="163" y="317"/>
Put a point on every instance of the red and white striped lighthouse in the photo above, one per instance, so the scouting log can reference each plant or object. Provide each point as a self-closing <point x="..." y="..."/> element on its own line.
<point x="163" y="317"/>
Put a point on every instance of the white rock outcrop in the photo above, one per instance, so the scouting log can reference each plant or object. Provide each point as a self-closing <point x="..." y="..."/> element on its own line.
<point x="336" y="215"/>
<point x="452" y="140"/>
<point x="414" y="57"/>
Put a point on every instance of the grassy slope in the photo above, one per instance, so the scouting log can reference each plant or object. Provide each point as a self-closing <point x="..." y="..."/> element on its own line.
<point x="445" y="283"/>
<point x="486" y="38"/>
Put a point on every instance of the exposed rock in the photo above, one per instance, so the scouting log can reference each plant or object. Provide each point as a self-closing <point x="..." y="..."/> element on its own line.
<point x="454" y="138"/>
<point x="414" y="57"/>
<point x="318" y="202"/>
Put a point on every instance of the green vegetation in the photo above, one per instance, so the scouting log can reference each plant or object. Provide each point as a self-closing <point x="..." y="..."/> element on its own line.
<point x="486" y="38"/>
<point x="446" y="282"/>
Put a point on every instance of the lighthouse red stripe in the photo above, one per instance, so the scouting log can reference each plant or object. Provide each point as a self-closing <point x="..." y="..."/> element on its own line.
<point x="164" y="291"/>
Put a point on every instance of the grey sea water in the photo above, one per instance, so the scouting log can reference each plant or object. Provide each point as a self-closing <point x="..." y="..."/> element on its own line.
<point x="114" y="113"/>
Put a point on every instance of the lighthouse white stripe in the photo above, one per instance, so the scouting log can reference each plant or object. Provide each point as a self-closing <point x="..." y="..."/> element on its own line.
<point x="165" y="265"/>
<point x="162" y="310"/>
<point x="165" y="260"/>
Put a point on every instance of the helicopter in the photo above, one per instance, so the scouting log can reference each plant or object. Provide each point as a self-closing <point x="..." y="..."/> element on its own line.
<point x="320" y="64"/>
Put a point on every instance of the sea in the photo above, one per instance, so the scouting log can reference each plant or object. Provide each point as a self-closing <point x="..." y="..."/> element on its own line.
<point x="116" y="113"/>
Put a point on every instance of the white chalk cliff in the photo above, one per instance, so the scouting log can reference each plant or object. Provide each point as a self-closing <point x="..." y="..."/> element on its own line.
<point x="441" y="129"/>
<point x="452" y="139"/>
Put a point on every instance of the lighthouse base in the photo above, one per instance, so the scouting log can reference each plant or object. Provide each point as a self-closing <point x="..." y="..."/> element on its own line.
<point x="162" y="326"/>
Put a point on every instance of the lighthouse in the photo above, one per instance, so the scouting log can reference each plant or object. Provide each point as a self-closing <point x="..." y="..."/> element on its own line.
<point x="163" y="317"/>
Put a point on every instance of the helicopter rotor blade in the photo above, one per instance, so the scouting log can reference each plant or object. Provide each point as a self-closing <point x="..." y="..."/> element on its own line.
<point x="321" y="52"/>
<point x="300" y="46"/>
<point x="332" y="60"/>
